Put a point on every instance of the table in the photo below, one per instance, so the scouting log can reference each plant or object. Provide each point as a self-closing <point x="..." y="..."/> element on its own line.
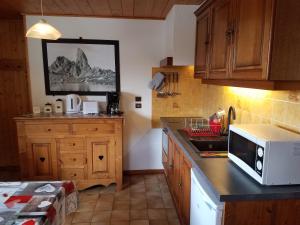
<point x="37" y="203"/>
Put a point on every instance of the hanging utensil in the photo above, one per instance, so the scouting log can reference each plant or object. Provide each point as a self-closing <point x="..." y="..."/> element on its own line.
<point x="177" y="83"/>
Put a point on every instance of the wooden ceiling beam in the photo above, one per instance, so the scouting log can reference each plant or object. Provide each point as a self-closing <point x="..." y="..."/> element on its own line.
<point x="147" y="9"/>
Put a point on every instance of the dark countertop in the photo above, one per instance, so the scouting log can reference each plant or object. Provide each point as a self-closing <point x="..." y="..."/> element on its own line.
<point x="225" y="180"/>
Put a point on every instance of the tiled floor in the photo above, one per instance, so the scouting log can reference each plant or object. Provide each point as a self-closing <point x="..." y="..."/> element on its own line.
<point x="145" y="200"/>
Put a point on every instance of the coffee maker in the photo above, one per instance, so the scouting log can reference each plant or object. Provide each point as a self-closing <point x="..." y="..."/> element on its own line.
<point x="113" y="101"/>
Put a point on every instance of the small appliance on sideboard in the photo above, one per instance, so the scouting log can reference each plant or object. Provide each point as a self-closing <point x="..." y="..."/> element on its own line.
<point x="269" y="154"/>
<point x="113" y="103"/>
<point x="90" y="107"/>
<point x="73" y="103"/>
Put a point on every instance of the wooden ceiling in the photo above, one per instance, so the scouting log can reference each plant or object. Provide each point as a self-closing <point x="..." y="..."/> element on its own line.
<point x="152" y="9"/>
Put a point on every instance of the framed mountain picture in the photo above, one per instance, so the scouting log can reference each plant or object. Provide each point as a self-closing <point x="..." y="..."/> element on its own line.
<point x="81" y="66"/>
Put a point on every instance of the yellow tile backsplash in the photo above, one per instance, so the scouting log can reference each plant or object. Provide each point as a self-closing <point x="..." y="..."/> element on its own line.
<point x="254" y="106"/>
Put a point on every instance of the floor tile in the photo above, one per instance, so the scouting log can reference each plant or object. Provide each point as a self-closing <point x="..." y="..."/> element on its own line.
<point x="138" y="214"/>
<point x="68" y="219"/>
<point x="80" y="223"/>
<point x="155" y="203"/>
<point x="146" y="200"/>
<point x="86" y="206"/>
<point x="158" y="222"/>
<point x="101" y="223"/>
<point x="118" y="222"/>
<point x="122" y="215"/>
<point x="151" y="178"/>
<point x="82" y="217"/>
<point x="104" y="206"/>
<point x="139" y="222"/>
<point x="123" y="205"/>
<point x="101" y="216"/>
<point x="171" y="214"/>
<point x="157" y="214"/>
<point x="138" y="195"/>
<point x="138" y="204"/>
<point x="107" y="197"/>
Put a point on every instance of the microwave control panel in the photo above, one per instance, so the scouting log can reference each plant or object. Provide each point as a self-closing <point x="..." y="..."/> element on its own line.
<point x="259" y="160"/>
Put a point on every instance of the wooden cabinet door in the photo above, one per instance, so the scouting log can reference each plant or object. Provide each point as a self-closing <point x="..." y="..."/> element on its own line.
<point x="176" y="176"/>
<point x="219" y="53"/>
<point x="42" y="159"/>
<point x="101" y="157"/>
<point x="202" y="43"/>
<point x="185" y="190"/>
<point x="251" y="36"/>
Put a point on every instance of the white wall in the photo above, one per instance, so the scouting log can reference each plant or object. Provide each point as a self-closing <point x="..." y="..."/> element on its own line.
<point x="180" y="33"/>
<point x="143" y="43"/>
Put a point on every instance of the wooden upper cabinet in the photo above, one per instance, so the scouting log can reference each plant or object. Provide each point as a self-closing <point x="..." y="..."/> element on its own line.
<point x="202" y="43"/>
<point x="219" y="48"/>
<point x="251" y="34"/>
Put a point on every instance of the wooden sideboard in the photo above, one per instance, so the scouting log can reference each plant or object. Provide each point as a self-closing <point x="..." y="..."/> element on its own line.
<point x="86" y="149"/>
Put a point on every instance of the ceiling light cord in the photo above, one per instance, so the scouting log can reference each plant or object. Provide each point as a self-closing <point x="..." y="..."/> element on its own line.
<point x="42" y="11"/>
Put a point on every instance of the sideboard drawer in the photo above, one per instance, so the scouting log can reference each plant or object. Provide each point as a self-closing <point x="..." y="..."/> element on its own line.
<point x="71" y="144"/>
<point x="94" y="128"/>
<point x="74" y="160"/>
<point x="72" y="174"/>
<point x="46" y="129"/>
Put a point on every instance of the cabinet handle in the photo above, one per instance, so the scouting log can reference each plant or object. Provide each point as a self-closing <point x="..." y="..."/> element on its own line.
<point x="93" y="129"/>
<point x="74" y="159"/>
<point x="100" y="157"/>
<point x="42" y="159"/>
<point x="49" y="129"/>
<point x="74" y="144"/>
<point x="74" y="175"/>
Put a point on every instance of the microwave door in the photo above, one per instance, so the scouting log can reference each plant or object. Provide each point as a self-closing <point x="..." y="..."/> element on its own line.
<point x="243" y="149"/>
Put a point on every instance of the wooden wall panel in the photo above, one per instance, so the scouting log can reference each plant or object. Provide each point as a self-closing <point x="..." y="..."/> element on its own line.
<point x="14" y="93"/>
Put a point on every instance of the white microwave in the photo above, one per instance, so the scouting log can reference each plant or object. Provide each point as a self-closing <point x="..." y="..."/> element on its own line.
<point x="269" y="154"/>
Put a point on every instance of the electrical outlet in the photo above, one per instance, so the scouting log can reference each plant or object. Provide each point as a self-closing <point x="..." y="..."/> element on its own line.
<point x="138" y="98"/>
<point x="138" y="105"/>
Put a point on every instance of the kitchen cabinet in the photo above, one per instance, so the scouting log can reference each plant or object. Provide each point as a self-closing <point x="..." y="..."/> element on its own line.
<point x="101" y="157"/>
<point x="254" y="45"/>
<point x="201" y="53"/>
<point x="41" y="155"/>
<point x="87" y="150"/>
<point x="250" y="36"/>
<point x="179" y="180"/>
<point x="219" y="49"/>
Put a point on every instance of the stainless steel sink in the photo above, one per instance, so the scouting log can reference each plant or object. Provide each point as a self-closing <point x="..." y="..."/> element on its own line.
<point x="208" y="147"/>
<point x="210" y="143"/>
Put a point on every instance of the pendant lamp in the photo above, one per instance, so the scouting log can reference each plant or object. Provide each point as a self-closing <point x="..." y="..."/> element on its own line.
<point x="43" y="30"/>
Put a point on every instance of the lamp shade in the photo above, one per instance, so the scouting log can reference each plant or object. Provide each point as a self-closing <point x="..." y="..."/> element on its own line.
<point x="43" y="30"/>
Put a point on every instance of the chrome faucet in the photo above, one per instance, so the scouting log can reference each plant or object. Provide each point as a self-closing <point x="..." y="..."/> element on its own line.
<point x="231" y="113"/>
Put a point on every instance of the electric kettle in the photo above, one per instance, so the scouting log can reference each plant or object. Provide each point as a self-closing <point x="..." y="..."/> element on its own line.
<point x="73" y="103"/>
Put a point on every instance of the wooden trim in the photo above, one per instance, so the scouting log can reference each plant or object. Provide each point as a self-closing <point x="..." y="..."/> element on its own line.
<point x="95" y="16"/>
<point x="168" y="61"/>
<point x="28" y="77"/>
<point x="143" y="172"/>
<point x="257" y="84"/>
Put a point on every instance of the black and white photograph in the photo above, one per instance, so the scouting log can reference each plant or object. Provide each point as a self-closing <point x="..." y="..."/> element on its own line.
<point x="81" y="66"/>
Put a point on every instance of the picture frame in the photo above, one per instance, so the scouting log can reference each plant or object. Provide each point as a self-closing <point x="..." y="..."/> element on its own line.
<point x="81" y="66"/>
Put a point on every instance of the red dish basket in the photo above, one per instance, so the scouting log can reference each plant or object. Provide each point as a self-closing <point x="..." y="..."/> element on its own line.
<point x="213" y="129"/>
